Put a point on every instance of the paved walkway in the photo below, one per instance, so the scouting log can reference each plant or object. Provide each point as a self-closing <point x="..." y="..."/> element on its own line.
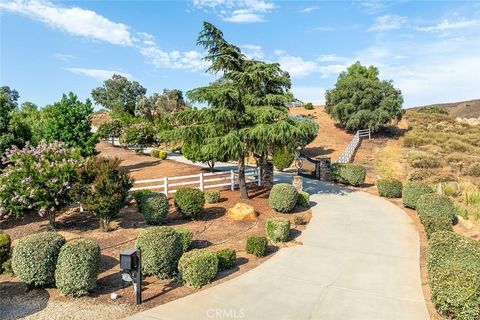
<point x="359" y="260"/>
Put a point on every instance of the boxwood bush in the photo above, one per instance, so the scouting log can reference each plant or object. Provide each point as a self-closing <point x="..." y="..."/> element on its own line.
<point x="189" y="202"/>
<point x="282" y="158"/>
<point x="161" y="249"/>
<point x="226" y="259"/>
<point x="5" y="243"/>
<point x="390" y="188"/>
<point x="78" y="266"/>
<point x="155" y="153"/>
<point x="303" y="199"/>
<point x="257" y="246"/>
<point x="198" y="267"/>
<point x="412" y="191"/>
<point x="453" y="263"/>
<point x="162" y="154"/>
<point x="34" y="258"/>
<point x="7" y="267"/>
<point x="139" y="194"/>
<point x="154" y="207"/>
<point x="212" y="196"/>
<point x="348" y="173"/>
<point x="283" y="197"/>
<point x="278" y="229"/>
<point x="186" y="237"/>
<point x="436" y="212"/>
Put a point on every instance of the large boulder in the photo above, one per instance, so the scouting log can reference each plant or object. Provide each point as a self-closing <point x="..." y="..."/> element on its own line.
<point x="241" y="212"/>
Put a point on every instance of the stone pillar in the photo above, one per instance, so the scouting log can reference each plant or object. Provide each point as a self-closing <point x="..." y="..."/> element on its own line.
<point x="297" y="182"/>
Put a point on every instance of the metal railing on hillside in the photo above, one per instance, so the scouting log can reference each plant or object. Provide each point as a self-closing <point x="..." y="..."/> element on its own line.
<point x="347" y="155"/>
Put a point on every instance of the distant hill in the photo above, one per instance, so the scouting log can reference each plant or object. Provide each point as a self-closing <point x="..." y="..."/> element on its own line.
<point x="464" y="109"/>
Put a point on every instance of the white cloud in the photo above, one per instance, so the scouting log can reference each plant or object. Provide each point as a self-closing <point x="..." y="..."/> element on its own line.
<point x="323" y="29"/>
<point x="253" y="51"/>
<point x="74" y="20"/>
<point x="331" y="58"/>
<point x="388" y="22"/>
<point x="446" y="25"/>
<point x="309" y="9"/>
<point x="64" y="56"/>
<point x="313" y="94"/>
<point x="98" y="74"/>
<point x="297" y="67"/>
<point x="237" y="11"/>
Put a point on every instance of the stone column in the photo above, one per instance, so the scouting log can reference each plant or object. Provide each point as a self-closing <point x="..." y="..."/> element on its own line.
<point x="298" y="183"/>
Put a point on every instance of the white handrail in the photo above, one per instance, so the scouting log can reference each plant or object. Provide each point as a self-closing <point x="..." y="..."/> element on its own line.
<point x="347" y="155"/>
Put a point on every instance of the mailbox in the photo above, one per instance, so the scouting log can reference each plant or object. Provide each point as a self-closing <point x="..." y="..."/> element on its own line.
<point x="130" y="264"/>
<point x="129" y="260"/>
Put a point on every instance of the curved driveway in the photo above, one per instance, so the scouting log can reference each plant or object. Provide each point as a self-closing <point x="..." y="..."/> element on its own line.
<point x="359" y="260"/>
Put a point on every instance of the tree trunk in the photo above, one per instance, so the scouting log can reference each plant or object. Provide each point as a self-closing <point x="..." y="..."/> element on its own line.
<point x="241" y="178"/>
<point x="267" y="174"/>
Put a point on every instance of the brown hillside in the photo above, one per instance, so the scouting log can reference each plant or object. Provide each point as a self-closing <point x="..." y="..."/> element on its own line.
<point x="464" y="109"/>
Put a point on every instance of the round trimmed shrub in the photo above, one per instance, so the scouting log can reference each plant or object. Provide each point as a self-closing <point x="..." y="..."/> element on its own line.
<point x="78" y="267"/>
<point x="186" y="237"/>
<point x="412" y="191"/>
<point x="212" y="196"/>
<point x="303" y="199"/>
<point x="282" y="159"/>
<point x="189" y="202"/>
<point x="278" y="229"/>
<point x="257" y="246"/>
<point x="198" y="267"/>
<point x="139" y="194"/>
<point x="436" y="212"/>
<point x="226" y="259"/>
<point x="34" y="258"/>
<point x="154" y="207"/>
<point x="390" y="188"/>
<point x="283" y="197"/>
<point x="453" y="263"/>
<point x="162" y="154"/>
<point x="7" y="267"/>
<point x="348" y="173"/>
<point x="161" y="249"/>
<point x="5" y="243"/>
<point x="155" y="153"/>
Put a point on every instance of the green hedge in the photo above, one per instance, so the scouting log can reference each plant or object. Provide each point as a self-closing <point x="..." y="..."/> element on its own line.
<point x="412" y="191"/>
<point x="453" y="263"/>
<point x="390" y="188"/>
<point x="283" y="197"/>
<point x="303" y="199"/>
<point x="154" y="207"/>
<point x="226" y="259"/>
<point x="139" y="194"/>
<point x="198" y="267"/>
<point x="257" y="246"/>
<point x="436" y="212"/>
<point x="348" y="173"/>
<point x="78" y="267"/>
<point x="212" y="196"/>
<point x="5" y="243"/>
<point x="161" y="249"/>
<point x="159" y="154"/>
<point x="277" y="229"/>
<point x="189" y="202"/>
<point x="34" y="258"/>
<point x="186" y="237"/>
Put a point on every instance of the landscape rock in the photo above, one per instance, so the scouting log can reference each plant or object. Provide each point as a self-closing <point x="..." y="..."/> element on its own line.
<point x="242" y="211"/>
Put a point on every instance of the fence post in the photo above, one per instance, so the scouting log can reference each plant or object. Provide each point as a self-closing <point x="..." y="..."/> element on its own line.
<point x="201" y="180"/>
<point x="259" y="179"/>
<point x="165" y="186"/>
<point x="369" y="134"/>
<point x="232" y="180"/>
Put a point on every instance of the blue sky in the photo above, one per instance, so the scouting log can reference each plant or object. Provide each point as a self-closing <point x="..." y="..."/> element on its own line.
<point x="431" y="50"/>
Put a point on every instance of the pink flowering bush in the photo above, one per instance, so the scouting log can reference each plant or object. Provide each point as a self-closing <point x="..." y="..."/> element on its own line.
<point x="37" y="179"/>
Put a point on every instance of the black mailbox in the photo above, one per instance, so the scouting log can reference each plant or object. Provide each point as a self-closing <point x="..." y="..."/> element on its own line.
<point x="129" y="260"/>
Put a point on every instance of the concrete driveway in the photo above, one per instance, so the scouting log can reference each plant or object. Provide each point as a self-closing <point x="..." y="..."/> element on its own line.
<point x="359" y="260"/>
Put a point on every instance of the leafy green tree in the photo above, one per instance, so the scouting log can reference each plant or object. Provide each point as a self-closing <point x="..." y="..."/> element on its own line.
<point x="247" y="109"/>
<point x="13" y="131"/>
<point x="360" y="100"/>
<point x="69" y="121"/>
<point x="160" y="105"/>
<point x="118" y="94"/>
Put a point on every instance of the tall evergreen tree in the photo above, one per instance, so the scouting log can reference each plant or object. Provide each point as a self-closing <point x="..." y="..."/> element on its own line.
<point x="246" y="109"/>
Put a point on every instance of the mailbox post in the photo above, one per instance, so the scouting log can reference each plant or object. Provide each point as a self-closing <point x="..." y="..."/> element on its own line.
<point x="131" y="271"/>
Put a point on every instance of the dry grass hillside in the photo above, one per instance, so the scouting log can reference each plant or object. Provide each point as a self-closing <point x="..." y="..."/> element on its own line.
<point x="464" y="109"/>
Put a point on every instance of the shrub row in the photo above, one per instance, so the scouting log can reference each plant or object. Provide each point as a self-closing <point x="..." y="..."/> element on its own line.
<point x="453" y="263"/>
<point x="348" y="173"/>
<point x="44" y="259"/>
<point x="159" y="154"/>
<point x="436" y="212"/>
<point x="412" y="191"/>
<point x="390" y="188"/>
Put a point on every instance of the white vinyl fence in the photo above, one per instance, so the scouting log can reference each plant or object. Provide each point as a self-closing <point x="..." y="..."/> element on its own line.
<point x="347" y="155"/>
<point x="201" y="181"/>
